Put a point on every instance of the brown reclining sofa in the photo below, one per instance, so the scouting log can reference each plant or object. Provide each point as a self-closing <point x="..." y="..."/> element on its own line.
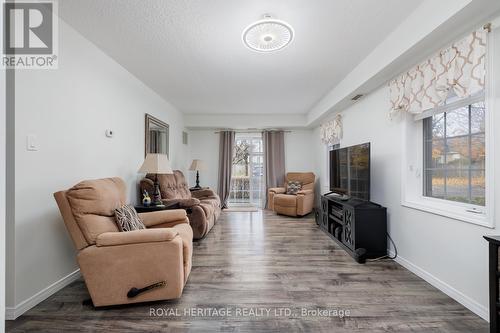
<point x="203" y="206"/>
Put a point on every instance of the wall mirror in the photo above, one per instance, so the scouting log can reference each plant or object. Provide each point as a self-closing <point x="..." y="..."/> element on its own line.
<point x="156" y="136"/>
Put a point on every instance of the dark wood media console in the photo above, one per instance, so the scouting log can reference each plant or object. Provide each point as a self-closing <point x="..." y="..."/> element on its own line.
<point x="358" y="226"/>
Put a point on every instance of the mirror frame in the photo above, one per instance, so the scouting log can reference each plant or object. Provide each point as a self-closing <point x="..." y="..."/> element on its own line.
<point x="150" y="119"/>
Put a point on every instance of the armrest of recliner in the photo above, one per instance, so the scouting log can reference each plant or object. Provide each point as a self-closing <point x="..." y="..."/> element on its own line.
<point x="305" y="192"/>
<point x="135" y="237"/>
<point x="205" y="193"/>
<point x="305" y="202"/>
<point x="183" y="203"/>
<point x="277" y="190"/>
<point x="165" y="218"/>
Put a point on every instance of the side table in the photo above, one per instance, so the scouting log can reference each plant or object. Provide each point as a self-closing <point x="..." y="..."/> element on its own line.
<point x="153" y="208"/>
<point x="194" y="189"/>
<point x="494" y="274"/>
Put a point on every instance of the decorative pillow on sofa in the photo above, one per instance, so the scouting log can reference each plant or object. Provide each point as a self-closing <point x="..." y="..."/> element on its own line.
<point x="293" y="187"/>
<point x="127" y="219"/>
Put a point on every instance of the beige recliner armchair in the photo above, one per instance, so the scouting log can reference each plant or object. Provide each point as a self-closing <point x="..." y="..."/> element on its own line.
<point x="112" y="262"/>
<point x="290" y="204"/>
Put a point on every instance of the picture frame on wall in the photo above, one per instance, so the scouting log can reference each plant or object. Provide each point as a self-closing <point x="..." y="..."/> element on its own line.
<point x="156" y="136"/>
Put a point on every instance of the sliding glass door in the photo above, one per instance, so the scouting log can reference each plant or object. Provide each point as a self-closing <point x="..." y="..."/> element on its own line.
<point x="247" y="180"/>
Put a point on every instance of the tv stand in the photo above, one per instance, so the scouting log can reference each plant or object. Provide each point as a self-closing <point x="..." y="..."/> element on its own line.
<point x="343" y="197"/>
<point x="358" y="226"/>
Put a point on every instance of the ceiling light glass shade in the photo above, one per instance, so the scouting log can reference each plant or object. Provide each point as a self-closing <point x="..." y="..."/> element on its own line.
<point x="268" y="35"/>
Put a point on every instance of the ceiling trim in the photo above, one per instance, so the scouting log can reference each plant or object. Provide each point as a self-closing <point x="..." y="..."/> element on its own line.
<point x="244" y="121"/>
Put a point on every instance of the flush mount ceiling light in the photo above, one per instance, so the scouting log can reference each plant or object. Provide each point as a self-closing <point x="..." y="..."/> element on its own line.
<point x="268" y="35"/>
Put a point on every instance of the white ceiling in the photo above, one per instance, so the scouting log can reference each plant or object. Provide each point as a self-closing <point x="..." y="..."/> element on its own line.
<point x="191" y="53"/>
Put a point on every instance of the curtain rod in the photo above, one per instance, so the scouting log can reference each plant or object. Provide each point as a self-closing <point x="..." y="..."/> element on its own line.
<point x="252" y="131"/>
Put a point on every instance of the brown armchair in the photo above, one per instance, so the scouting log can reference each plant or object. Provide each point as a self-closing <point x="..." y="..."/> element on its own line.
<point x="113" y="262"/>
<point x="203" y="206"/>
<point x="293" y="205"/>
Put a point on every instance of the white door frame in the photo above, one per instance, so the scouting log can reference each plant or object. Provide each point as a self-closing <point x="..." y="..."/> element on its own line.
<point x="3" y="156"/>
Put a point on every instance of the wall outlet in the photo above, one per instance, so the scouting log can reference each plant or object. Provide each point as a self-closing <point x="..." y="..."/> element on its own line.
<point x="31" y="142"/>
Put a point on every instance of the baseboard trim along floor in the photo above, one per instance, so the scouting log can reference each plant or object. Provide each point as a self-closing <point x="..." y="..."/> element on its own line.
<point x="12" y="313"/>
<point x="458" y="296"/>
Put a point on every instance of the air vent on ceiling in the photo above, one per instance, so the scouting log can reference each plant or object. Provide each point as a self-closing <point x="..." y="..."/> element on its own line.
<point x="355" y="98"/>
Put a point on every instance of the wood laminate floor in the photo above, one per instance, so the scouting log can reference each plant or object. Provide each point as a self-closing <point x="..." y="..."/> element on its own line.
<point x="267" y="271"/>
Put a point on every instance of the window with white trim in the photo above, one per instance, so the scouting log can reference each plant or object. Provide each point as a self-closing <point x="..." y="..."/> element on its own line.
<point x="448" y="149"/>
<point x="455" y="152"/>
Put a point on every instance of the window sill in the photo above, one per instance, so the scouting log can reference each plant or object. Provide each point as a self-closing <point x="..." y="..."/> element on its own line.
<point x="450" y="210"/>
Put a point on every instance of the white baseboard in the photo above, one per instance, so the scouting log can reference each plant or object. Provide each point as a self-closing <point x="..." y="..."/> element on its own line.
<point x="12" y="313"/>
<point x="457" y="295"/>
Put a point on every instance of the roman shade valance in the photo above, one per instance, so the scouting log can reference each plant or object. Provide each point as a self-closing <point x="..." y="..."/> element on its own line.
<point x="459" y="68"/>
<point x="331" y="131"/>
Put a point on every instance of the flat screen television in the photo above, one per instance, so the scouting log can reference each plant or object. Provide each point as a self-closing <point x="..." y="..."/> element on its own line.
<point x="350" y="171"/>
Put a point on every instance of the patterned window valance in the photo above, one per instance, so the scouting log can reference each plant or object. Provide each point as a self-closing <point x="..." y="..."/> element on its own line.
<point x="460" y="68"/>
<point x="331" y="131"/>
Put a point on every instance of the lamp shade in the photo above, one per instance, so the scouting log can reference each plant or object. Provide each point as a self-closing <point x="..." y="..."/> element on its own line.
<point x="197" y="165"/>
<point x="156" y="163"/>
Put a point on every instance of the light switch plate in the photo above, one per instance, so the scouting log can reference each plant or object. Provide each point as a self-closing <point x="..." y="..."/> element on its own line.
<point x="31" y="142"/>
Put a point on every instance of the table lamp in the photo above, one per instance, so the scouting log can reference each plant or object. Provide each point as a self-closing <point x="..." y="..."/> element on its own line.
<point x="197" y="165"/>
<point x="157" y="164"/>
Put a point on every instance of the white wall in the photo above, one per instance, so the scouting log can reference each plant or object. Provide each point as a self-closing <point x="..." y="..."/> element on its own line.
<point x="204" y="145"/>
<point x="450" y="254"/>
<point x="299" y="156"/>
<point x="69" y="109"/>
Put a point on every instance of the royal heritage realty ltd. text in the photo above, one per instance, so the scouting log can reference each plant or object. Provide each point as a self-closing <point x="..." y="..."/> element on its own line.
<point x="247" y="312"/>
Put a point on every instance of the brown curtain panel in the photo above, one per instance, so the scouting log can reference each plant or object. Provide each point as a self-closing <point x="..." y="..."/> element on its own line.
<point x="226" y="149"/>
<point x="274" y="159"/>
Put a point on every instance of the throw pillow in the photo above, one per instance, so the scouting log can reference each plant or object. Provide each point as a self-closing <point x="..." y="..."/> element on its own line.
<point x="293" y="187"/>
<point x="127" y="219"/>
